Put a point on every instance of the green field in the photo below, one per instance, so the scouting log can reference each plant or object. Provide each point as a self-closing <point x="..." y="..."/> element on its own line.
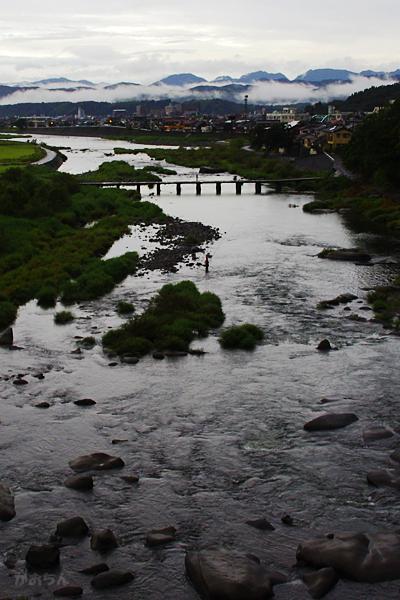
<point x="19" y="153"/>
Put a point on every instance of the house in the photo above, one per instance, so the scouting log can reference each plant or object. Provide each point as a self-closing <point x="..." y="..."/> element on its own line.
<point x="338" y="136"/>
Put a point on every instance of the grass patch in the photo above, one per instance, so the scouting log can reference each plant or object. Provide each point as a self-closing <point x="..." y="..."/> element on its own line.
<point x="175" y="316"/>
<point x="242" y="337"/>
<point x="63" y="317"/>
<point x="19" y="153"/>
<point x="45" y="249"/>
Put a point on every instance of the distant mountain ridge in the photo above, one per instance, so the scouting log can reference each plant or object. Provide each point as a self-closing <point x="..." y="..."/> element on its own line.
<point x="183" y="86"/>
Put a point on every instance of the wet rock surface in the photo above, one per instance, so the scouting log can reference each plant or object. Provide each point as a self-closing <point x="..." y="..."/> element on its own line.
<point x="365" y="557"/>
<point x="345" y="254"/>
<point x="223" y="575"/>
<point x="331" y="421"/>
<point x="73" y="527"/>
<point x="158" y="537"/>
<point x="69" y="591"/>
<point x="7" y="337"/>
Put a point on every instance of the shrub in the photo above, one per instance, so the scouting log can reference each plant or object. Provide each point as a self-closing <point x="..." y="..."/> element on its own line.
<point x="173" y="319"/>
<point x="87" y="342"/>
<point x="8" y="313"/>
<point x="243" y="337"/>
<point x="125" y="308"/>
<point x="63" y="317"/>
<point x="47" y="296"/>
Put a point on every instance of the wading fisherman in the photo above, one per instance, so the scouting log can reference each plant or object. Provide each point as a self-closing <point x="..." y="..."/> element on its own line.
<point x="207" y="262"/>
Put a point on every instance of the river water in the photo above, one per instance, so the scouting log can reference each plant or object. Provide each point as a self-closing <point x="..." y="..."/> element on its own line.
<point x="217" y="439"/>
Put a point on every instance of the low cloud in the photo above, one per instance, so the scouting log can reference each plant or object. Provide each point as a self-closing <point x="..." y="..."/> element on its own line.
<point x="269" y="92"/>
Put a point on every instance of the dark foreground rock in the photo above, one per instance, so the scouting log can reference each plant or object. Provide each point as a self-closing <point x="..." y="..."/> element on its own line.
<point x="384" y="478"/>
<point x="345" y="254"/>
<point x="45" y="556"/>
<point x="7" y="337"/>
<point x="69" y="591"/>
<point x="158" y="537"/>
<point x="85" y="402"/>
<point x="324" y="346"/>
<point x="7" y="506"/>
<point x="321" y="582"/>
<point x="377" y="433"/>
<point x="330" y="421"/>
<point x="364" y="557"/>
<point x="222" y="575"/>
<point x="98" y="461"/>
<point x="111" y="579"/>
<point x="103" y="541"/>
<point x="95" y="569"/>
<point x="81" y="483"/>
<point x="261" y="524"/>
<point x="341" y="299"/>
<point x="73" y="527"/>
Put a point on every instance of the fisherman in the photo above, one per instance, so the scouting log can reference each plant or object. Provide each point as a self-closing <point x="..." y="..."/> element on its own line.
<point x="207" y="262"/>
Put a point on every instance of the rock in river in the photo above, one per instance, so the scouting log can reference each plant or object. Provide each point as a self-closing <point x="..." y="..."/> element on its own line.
<point x="385" y="478"/>
<point x="81" y="483"/>
<point x="73" y="527"/>
<point x="95" y="569"/>
<point x="69" y="591"/>
<point x="7" y="507"/>
<point x="223" y="575"/>
<point x="85" y="402"/>
<point x="367" y="557"/>
<point x="103" y="541"/>
<point x="321" y="582"/>
<point x="157" y="537"/>
<point x="111" y="579"/>
<point x="324" y="346"/>
<point x="46" y="556"/>
<point x="345" y="254"/>
<point x="98" y="461"/>
<point x="377" y="433"/>
<point x="330" y="421"/>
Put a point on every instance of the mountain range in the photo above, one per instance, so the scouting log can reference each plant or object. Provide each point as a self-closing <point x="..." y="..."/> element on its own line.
<point x="181" y="86"/>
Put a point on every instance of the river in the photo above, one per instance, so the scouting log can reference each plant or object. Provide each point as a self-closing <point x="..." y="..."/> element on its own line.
<point x="217" y="439"/>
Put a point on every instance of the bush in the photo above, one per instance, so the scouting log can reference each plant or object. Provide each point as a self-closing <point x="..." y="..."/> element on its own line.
<point x="125" y="308"/>
<point x="243" y="337"/>
<point x="63" y="317"/>
<point x="173" y="319"/>
<point x="8" y="313"/>
<point x="87" y="342"/>
<point x="47" y="296"/>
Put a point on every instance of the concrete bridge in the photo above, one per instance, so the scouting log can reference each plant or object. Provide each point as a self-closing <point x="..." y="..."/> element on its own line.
<point x="277" y="184"/>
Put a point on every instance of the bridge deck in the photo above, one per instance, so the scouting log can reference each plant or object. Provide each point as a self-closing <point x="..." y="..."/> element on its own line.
<point x="201" y="182"/>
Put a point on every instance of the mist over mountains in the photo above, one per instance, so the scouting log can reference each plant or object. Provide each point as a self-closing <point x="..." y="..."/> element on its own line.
<point x="261" y="87"/>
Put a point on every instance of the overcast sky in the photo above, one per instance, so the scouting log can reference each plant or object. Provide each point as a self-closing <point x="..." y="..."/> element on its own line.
<point x="114" y="40"/>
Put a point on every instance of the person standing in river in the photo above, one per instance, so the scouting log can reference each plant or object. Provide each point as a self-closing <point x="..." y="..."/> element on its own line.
<point x="207" y="262"/>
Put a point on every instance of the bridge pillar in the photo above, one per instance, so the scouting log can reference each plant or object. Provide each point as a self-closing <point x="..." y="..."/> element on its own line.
<point x="178" y="189"/>
<point x="278" y="187"/>
<point x="198" y="189"/>
<point x="158" y="189"/>
<point x="218" y="188"/>
<point x="258" y="187"/>
<point x="138" y="188"/>
<point x="238" y="187"/>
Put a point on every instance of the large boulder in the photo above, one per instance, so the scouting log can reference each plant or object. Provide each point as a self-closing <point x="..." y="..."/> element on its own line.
<point x="366" y="557"/>
<point x="7" y="337"/>
<point x="98" y="461"/>
<point x="46" y="556"/>
<point x="7" y="507"/>
<point x="223" y="575"/>
<point x="330" y="421"/>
